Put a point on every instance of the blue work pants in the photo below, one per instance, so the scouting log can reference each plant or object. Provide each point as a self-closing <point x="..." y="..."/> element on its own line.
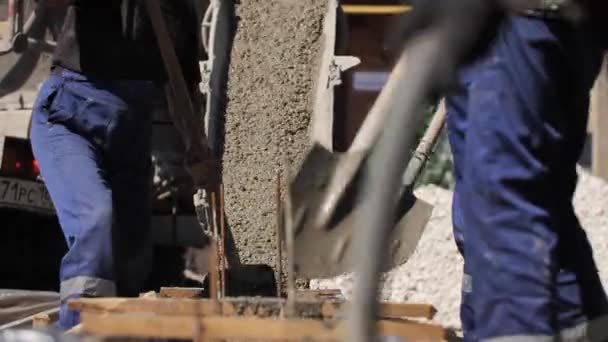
<point x="570" y="308"/>
<point x="92" y="143"/>
<point x="516" y="134"/>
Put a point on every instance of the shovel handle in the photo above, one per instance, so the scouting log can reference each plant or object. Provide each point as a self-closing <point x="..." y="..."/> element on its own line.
<point x="425" y="148"/>
<point x="181" y="108"/>
<point x="374" y="121"/>
<point x="385" y="165"/>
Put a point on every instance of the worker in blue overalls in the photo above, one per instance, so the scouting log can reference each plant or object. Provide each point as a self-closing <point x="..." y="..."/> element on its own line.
<point x="91" y="131"/>
<point x="516" y="129"/>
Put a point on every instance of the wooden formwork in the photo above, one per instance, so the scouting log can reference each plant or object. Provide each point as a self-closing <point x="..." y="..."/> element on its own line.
<point x="174" y="314"/>
<point x="181" y="313"/>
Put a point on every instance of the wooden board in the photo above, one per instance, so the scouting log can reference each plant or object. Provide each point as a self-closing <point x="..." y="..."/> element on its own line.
<point x="41" y="320"/>
<point x="387" y="310"/>
<point x="181" y="292"/>
<point x="262" y="307"/>
<point x="214" y="328"/>
<point x="319" y="295"/>
<point x="196" y="292"/>
<point x="27" y="322"/>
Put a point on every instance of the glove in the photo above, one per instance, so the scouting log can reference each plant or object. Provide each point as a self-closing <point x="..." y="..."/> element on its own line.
<point x="470" y="24"/>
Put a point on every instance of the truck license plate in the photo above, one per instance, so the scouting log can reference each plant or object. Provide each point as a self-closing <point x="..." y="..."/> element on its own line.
<point x="20" y="194"/>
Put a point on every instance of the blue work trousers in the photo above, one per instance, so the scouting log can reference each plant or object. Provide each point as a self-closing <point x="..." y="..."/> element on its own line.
<point x="516" y="132"/>
<point x="92" y="142"/>
<point x="570" y="309"/>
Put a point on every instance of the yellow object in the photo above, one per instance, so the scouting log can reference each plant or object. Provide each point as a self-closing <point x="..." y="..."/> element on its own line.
<point x="4" y="28"/>
<point x="375" y="9"/>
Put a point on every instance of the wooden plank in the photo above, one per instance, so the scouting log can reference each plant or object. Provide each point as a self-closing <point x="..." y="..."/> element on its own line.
<point x="599" y="123"/>
<point x="319" y="295"/>
<point x="266" y="307"/>
<point x="77" y="329"/>
<point x="263" y="307"/>
<point x="181" y="292"/>
<point x="160" y="306"/>
<point x="29" y="321"/>
<point x="41" y="320"/>
<point x="407" y="310"/>
<point x="387" y="310"/>
<point x="214" y="328"/>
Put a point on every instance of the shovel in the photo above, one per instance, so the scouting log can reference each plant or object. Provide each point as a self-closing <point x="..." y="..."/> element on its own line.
<point x="324" y="194"/>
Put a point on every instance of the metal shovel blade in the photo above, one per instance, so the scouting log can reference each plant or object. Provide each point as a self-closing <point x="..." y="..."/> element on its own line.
<point x="324" y="211"/>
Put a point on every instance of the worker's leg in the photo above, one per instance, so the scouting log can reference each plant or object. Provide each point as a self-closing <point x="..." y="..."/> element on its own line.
<point x="456" y="112"/>
<point x="87" y="136"/>
<point x="569" y="303"/>
<point x="131" y="177"/>
<point x="527" y="116"/>
<point x="70" y="166"/>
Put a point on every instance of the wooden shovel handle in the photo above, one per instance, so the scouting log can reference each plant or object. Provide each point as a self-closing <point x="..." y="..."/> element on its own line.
<point x="183" y="113"/>
<point x="373" y="123"/>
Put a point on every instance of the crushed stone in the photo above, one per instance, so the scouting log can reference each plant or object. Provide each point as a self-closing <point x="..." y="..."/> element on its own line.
<point x="434" y="272"/>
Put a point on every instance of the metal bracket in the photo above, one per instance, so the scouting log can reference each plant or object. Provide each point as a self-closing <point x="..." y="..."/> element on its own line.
<point x="337" y="66"/>
<point x="201" y="206"/>
<point x="205" y="68"/>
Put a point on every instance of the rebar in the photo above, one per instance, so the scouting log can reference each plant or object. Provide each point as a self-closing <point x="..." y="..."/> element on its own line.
<point x="222" y="242"/>
<point x="214" y="281"/>
<point x="279" y="261"/>
<point x="289" y="243"/>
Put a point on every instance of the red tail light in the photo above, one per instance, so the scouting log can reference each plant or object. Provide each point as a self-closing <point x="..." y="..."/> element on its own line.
<point x="18" y="160"/>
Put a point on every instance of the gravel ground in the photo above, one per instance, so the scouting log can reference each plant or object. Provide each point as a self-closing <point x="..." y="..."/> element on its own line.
<point x="591" y="206"/>
<point x="270" y="85"/>
<point x="433" y="274"/>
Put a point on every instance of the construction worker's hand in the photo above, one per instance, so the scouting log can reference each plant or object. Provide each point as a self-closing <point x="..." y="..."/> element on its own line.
<point x="472" y="25"/>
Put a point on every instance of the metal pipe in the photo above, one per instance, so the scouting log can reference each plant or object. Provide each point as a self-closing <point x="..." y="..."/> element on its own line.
<point x="11" y="18"/>
<point x="19" y="13"/>
<point x="205" y="27"/>
<point x="27" y="27"/>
